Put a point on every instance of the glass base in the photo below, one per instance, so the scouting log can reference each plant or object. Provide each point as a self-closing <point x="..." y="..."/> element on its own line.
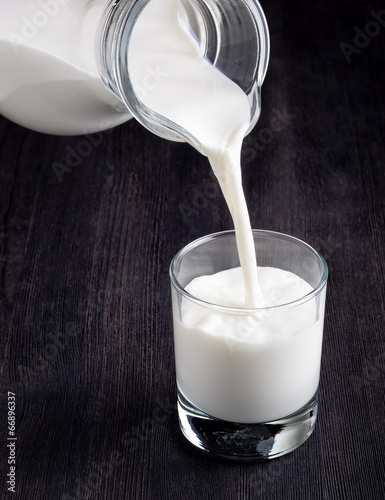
<point x="246" y="442"/>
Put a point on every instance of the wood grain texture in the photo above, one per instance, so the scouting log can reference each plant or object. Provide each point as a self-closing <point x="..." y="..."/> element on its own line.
<point x="85" y="316"/>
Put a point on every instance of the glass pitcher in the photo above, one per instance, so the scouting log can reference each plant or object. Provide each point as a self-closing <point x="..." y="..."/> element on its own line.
<point x="65" y="68"/>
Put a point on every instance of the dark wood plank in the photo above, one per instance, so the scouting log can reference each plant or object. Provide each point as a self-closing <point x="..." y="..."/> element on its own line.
<point x="85" y="316"/>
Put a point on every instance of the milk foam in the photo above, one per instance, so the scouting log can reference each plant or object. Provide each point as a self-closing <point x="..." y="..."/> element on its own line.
<point x="227" y="289"/>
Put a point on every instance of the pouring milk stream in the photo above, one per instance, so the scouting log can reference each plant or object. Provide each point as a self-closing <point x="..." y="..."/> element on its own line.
<point x="198" y="97"/>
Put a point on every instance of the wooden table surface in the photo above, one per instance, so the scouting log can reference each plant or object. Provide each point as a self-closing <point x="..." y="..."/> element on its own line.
<point x="86" y="335"/>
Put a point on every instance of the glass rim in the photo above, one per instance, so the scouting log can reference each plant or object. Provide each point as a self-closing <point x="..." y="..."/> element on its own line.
<point x="247" y="310"/>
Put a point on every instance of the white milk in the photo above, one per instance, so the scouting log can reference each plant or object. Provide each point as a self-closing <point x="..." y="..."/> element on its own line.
<point x="239" y="368"/>
<point x="246" y="368"/>
<point x="49" y="77"/>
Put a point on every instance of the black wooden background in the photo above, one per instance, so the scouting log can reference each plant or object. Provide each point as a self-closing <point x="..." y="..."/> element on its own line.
<point x="86" y="337"/>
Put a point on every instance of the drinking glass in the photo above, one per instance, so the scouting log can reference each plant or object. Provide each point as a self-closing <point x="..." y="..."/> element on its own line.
<point x="243" y="395"/>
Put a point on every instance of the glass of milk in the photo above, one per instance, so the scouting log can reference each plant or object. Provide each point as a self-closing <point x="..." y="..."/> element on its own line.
<point x="248" y="378"/>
